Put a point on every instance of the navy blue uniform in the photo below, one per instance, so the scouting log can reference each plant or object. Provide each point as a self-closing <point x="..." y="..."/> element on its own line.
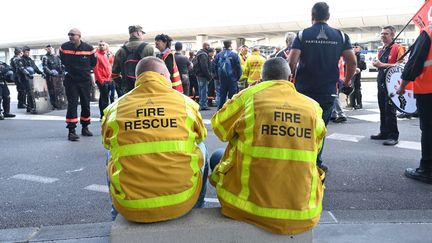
<point x="317" y="72"/>
<point x="78" y="62"/>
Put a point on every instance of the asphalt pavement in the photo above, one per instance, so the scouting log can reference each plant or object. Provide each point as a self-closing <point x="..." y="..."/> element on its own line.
<point x="52" y="189"/>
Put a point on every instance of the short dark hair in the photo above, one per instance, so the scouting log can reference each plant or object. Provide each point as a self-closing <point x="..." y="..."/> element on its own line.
<point x="164" y="38"/>
<point x="320" y="11"/>
<point x="276" y="69"/>
<point x="227" y="44"/>
<point x="391" y="28"/>
<point x="178" y="46"/>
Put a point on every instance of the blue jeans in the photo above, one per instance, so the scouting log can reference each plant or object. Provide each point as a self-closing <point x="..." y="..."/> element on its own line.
<point x="228" y="88"/>
<point x="204" y="170"/>
<point x="327" y="103"/>
<point x="217" y="84"/>
<point x="202" y="91"/>
<point x="216" y="157"/>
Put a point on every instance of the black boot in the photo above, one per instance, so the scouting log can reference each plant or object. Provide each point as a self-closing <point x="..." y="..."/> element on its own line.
<point x="86" y="132"/>
<point x="1" y="116"/>
<point x="6" y="108"/>
<point x="72" y="136"/>
<point x="358" y="97"/>
<point x="21" y="100"/>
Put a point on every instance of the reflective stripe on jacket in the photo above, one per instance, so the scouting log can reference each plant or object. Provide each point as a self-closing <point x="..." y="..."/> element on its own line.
<point x="423" y="83"/>
<point x="268" y="174"/>
<point x="243" y="59"/>
<point x="175" y="75"/>
<point x="253" y="67"/>
<point x="152" y="133"/>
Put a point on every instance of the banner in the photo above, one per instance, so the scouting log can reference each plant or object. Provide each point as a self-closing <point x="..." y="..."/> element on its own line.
<point x="423" y="17"/>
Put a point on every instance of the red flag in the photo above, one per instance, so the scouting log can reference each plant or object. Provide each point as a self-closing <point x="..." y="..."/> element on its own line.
<point x="424" y="16"/>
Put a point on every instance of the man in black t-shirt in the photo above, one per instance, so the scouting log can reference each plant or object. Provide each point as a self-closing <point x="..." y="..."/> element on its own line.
<point x="317" y="50"/>
<point x="183" y="65"/>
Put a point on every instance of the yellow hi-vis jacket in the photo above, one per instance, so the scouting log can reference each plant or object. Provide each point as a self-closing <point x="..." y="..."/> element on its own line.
<point x="268" y="174"/>
<point x="243" y="59"/>
<point x="152" y="133"/>
<point x="253" y="68"/>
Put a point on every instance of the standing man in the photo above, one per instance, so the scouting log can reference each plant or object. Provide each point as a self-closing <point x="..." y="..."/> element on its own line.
<point x="6" y="73"/>
<point x="184" y="65"/>
<point x="52" y="68"/>
<point x="28" y="68"/>
<point x="289" y="40"/>
<point x="254" y="64"/>
<point x="79" y="59"/>
<point x="419" y="70"/>
<point x="126" y="58"/>
<point x="243" y="55"/>
<point x="102" y="72"/>
<point x="19" y="81"/>
<point x="356" y="97"/>
<point x="163" y="44"/>
<point x="228" y="71"/>
<point x="388" y="56"/>
<point x="203" y="75"/>
<point x="317" y="50"/>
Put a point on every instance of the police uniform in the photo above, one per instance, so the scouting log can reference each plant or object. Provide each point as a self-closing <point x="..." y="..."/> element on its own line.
<point x="26" y="69"/>
<point x="268" y="174"/>
<point x="52" y="68"/>
<point x="19" y="81"/>
<point x="78" y="62"/>
<point x="153" y="134"/>
<point x="5" y="74"/>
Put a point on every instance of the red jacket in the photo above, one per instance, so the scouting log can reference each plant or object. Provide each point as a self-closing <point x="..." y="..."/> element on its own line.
<point x="102" y="70"/>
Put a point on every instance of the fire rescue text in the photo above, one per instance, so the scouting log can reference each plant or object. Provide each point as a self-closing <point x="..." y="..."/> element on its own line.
<point x="290" y="129"/>
<point x="153" y="118"/>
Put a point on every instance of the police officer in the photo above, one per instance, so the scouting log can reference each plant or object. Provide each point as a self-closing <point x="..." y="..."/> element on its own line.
<point x="79" y="59"/>
<point x="52" y="68"/>
<point x="5" y="74"/>
<point x="27" y="68"/>
<point x="19" y="81"/>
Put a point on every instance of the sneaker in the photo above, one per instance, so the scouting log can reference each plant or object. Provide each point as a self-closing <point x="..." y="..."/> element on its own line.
<point x="391" y="142"/>
<point x="86" y="132"/>
<point x="340" y="119"/>
<point x="9" y="115"/>
<point x="419" y="174"/>
<point x="379" y="136"/>
<point x="72" y="136"/>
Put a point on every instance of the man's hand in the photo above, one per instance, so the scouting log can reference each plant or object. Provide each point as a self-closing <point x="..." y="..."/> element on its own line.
<point x="377" y="63"/>
<point x="401" y="89"/>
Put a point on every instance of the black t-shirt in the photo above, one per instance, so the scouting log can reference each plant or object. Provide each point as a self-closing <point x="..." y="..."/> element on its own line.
<point x="182" y="63"/>
<point x="321" y="47"/>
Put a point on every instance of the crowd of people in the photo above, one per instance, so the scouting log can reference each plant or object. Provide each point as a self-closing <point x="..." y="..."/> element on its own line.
<point x="268" y="110"/>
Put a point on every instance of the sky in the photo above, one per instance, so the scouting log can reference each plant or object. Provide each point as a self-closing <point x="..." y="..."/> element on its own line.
<point x="44" y="19"/>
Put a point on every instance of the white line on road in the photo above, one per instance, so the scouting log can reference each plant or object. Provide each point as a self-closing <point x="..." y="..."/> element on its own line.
<point x="333" y="217"/>
<point x="369" y="117"/>
<point x="374" y="110"/>
<point x="207" y="121"/>
<point x="44" y="117"/>
<point x="409" y="145"/>
<point x="345" y="137"/>
<point x="97" y="188"/>
<point x="77" y="170"/>
<point x="34" y="178"/>
<point x="211" y="200"/>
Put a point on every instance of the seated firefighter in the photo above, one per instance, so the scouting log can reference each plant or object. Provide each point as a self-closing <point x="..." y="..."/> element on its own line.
<point x="267" y="175"/>
<point x="157" y="167"/>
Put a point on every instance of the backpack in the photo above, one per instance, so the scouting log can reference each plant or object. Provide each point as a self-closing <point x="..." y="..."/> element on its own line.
<point x="195" y="63"/>
<point x="132" y="59"/>
<point x="224" y="67"/>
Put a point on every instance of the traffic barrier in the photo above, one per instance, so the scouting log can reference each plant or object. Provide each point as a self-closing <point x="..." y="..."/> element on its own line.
<point x="200" y="225"/>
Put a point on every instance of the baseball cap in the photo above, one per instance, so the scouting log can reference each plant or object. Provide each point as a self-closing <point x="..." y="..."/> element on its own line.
<point x="135" y="28"/>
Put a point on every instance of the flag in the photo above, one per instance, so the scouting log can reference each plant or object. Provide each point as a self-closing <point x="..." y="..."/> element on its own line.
<point x="423" y="17"/>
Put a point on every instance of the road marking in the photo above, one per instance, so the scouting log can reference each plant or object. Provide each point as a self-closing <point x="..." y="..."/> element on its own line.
<point x="207" y="121"/>
<point x="44" y="117"/>
<point x="409" y="145"/>
<point x="97" y="188"/>
<point x="374" y="110"/>
<point x="211" y="200"/>
<point x="369" y="117"/>
<point x="35" y="178"/>
<point x="346" y="137"/>
<point x="77" y="170"/>
<point x="333" y="217"/>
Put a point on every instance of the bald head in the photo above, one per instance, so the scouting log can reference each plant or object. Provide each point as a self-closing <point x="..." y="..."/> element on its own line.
<point x="276" y="69"/>
<point x="152" y="64"/>
<point x="75" y="31"/>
